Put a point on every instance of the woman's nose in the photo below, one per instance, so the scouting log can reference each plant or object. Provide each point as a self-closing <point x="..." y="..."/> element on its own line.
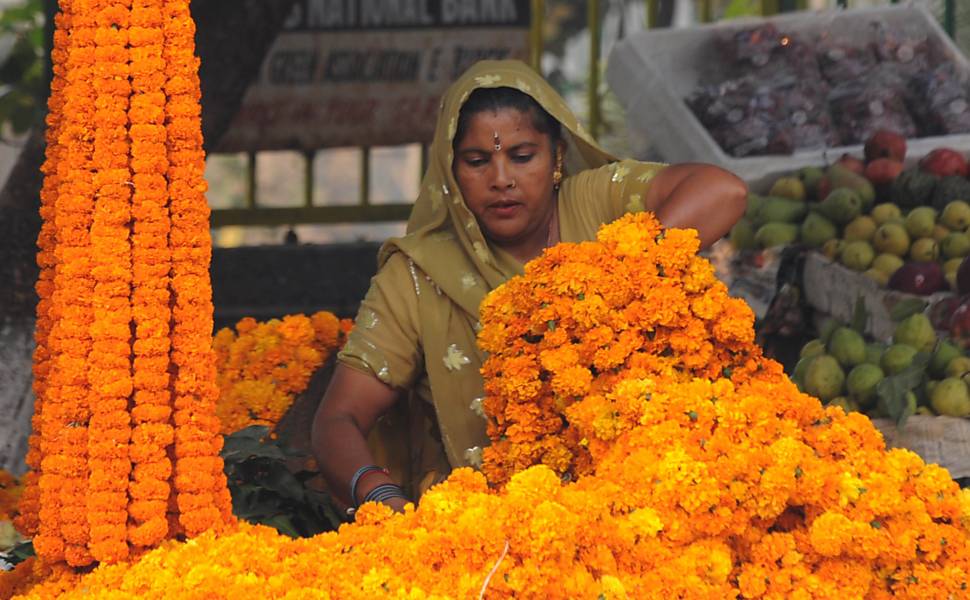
<point x="502" y="174"/>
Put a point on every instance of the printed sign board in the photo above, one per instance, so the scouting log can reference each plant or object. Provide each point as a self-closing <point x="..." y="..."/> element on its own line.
<point x="370" y="72"/>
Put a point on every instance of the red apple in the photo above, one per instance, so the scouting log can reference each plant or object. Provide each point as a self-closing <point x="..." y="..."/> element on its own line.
<point x="885" y="144"/>
<point x="960" y="324"/>
<point x="921" y="278"/>
<point x="943" y="162"/>
<point x="852" y="163"/>
<point x="883" y="171"/>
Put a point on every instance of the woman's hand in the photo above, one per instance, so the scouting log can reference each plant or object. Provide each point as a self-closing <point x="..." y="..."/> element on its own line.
<point x="698" y="196"/>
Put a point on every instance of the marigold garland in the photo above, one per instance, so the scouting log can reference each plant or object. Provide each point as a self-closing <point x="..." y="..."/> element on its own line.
<point x="261" y="367"/>
<point x="704" y="487"/>
<point x="124" y="355"/>
<point x="27" y="519"/>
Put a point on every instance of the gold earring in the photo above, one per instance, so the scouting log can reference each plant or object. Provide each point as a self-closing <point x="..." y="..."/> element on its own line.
<point x="557" y="174"/>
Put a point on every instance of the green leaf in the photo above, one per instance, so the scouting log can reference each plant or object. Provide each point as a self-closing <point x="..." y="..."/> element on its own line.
<point x="253" y="432"/>
<point x="892" y="391"/>
<point x="283" y="524"/>
<point x="860" y="315"/>
<point x="907" y="308"/>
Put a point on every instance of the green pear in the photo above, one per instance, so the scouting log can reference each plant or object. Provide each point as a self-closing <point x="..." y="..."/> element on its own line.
<point x="940" y="232"/>
<point x="958" y="367"/>
<point x="801" y="368"/>
<point x="887" y="263"/>
<point x="956" y="215"/>
<point x="841" y="177"/>
<point x="874" y="352"/>
<point x="920" y="222"/>
<point x="776" y="234"/>
<point x="824" y="378"/>
<point x="846" y="404"/>
<point x="788" y="187"/>
<point x="896" y="358"/>
<point x="826" y="328"/>
<point x="861" y="383"/>
<point x="847" y="346"/>
<point x="812" y="348"/>
<point x="857" y="255"/>
<point x="880" y="277"/>
<point x="816" y="230"/>
<point x="943" y="355"/>
<point x="885" y="212"/>
<point x="810" y="177"/>
<point x="755" y="201"/>
<point x="955" y="245"/>
<point x="833" y="248"/>
<point x="924" y="250"/>
<point x="860" y="228"/>
<point x="781" y="210"/>
<point x="952" y="265"/>
<point x="951" y="398"/>
<point x="841" y="205"/>
<point x="742" y="235"/>
<point x="916" y="331"/>
<point x="891" y="238"/>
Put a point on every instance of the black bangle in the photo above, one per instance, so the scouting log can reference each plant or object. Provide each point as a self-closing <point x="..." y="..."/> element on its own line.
<point x="357" y="477"/>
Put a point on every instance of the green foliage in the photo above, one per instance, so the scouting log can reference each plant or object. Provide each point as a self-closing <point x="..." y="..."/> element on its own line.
<point x="22" y="79"/>
<point x="742" y="8"/>
<point x="264" y="490"/>
<point x="892" y="391"/>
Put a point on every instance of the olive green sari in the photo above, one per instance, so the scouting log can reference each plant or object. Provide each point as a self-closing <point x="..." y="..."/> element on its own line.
<point x="416" y="327"/>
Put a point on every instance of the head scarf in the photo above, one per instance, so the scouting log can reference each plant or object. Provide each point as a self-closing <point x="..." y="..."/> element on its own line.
<point x="446" y="244"/>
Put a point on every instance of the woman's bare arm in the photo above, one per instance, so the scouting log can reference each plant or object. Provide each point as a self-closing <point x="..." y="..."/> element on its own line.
<point x="699" y="196"/>
<point x="351" y="405"/>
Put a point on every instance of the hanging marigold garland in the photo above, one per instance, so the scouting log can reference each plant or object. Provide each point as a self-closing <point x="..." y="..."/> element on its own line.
<point x="63" y="530"/>
<point x="152" y="432"/>
<point x="124" y="355"/>
<point x="201" y="494"/>
<point x="27" y="519"/>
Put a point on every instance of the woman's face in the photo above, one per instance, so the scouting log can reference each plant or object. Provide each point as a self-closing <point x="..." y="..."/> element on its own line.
<point x="504" y="168"/>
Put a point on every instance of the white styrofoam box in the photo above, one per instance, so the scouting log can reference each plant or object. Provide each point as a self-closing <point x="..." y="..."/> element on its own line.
<point x="652" y="72"/>
<point x="833" y="289"/>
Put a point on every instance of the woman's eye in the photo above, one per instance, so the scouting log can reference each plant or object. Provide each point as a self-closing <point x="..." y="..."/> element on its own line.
<point x="475" y="162"/>
<point x="521" y="158"/>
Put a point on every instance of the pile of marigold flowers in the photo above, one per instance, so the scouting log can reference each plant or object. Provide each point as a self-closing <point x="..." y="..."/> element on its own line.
<point x="707" y="485"/>
<point x="261" y="367"/>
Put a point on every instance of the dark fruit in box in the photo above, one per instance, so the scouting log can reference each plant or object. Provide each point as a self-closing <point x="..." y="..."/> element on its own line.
<point x="943" y="162"/>
<point x="921" y="278"/>
<point x="852" y="163"/>
<point x="950" y="188"/>
<point x="913" y="188"/>
<point x="885" y="144"/>
<point x="963" y="277"/>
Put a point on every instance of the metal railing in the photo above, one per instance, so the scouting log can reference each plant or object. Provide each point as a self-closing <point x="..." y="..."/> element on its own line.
<point x="366" y="212"/>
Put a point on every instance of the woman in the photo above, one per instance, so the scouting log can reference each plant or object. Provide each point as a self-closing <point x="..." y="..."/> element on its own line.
<point x="495" y="195"/>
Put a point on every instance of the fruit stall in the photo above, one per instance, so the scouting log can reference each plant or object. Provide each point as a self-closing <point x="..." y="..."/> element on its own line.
<point x="852" y="129"/>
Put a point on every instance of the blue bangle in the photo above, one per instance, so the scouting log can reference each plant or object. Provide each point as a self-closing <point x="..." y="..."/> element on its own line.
<point x="356" y="479"/>
<point x="384" y="492"/>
